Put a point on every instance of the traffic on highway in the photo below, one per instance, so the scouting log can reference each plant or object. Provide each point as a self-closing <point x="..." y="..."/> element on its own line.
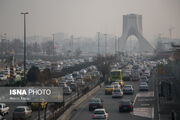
<point x="89" y="60"/>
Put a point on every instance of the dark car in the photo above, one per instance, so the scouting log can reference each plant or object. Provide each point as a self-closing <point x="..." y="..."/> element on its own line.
<point x="95" y="103"/>
<point x="73" y="86"/>
<point x="126" y="105"/>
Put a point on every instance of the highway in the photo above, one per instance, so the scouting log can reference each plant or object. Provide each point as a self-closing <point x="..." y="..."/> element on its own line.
<point x="144" y="103"/>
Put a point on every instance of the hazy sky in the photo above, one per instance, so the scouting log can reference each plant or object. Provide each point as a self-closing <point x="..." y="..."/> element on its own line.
<point x="86" y="17"/>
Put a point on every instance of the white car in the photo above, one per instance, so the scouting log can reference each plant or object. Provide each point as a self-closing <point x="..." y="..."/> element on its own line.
<point x="144" y="79"/>
<point x="100" y="114"/>
<point x="22" y="112"/>
<point x="4" y="109"/>
<point x="117" y="86"/>
<point x="3" y="77"/>
<point x="128" y="89"/>
<point x="117" y="93"/>
<point x="143" y="87"/>
<point x="115" y="83"/>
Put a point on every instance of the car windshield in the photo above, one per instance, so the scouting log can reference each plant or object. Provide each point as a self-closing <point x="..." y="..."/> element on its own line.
<point x="125" y="102"/>
<point x="115" y="83"/>
<point x="143" y="77"/>
<point x="117" y="90"/>
<point x="95" y="101"/>
<point x="0" y="106"/>
<point x="99" y="112"/>
<point x="19" y="110"/>
<point x="127" y="86"/>
<point x="109" y="87"/>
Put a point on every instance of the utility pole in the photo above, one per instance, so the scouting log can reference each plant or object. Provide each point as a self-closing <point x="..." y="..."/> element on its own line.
<point x="53" y="44"/>
<point x="24" y="13"/>
<point x="2" y="43"/>
<point x="105" y="37"/>
<point x="170" y="32"/>
<point x="98" y="43"/>
<point x="115" y="44"/>
<point x="72" y="38"/>
<point x="118" y="43"/>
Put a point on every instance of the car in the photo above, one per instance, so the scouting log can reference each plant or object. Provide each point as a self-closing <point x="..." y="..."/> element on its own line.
<point x="109" y="89"/>
<point x="95" y="103"/>
<point x="143" y="83"/>
<point x="135" y="75"/>
<point x="3" y="77"/>
<point x="4" y="109"/>
<point x="22" y="112"/>
<point x="126" y="105"/>
<point x="67" y="90"/>
<point x="75" y="74"/>
<point x="126" y="76"/>
<point x="80" y="82"/>
<point x="70" y="79"/>
<point x="143" y="87"/>
<point x="128" y="89"/>
<point x="6" y="71"/>
<point x="117" y="93"/>
<point x="143" y="79"/>
<point x="62" y="84"/>
<point x="117" y="86"/>
<point x="73" y="86"/>
<point x="147" y="74"/>
<point x="83" y="72"/>
<point x="115" y="83"/>
<point x="2" y="117"/>
<point x="100" y="114"/>
<point x="69" y="76"/>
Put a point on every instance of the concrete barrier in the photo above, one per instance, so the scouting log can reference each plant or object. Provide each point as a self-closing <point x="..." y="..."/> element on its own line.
<point x="67" y="113"/>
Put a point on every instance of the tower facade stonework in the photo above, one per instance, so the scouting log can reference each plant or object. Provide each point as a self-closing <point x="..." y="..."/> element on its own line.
<point x="132" y="25"/>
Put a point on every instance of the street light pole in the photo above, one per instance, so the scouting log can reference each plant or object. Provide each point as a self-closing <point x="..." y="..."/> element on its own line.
<point x="24" y="13"/>
<point x="115" y="46"/>
<point x="98" y="43"/>
<point x="53" y="45"/>
<point x="105" y="37"/>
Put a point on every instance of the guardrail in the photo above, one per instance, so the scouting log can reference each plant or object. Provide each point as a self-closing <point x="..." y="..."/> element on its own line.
<point x="68" y="101"/>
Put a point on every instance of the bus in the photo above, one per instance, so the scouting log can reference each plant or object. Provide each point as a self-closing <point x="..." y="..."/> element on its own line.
<point x="115" y="75"/>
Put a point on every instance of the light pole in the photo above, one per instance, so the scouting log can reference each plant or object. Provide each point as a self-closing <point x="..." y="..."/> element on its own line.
<point x="115" y="46"/>
<point x="105" y="37"/>
<point x="53" y="45"/>
<point x="24" y="13"/>
<point x="98" y="43"/>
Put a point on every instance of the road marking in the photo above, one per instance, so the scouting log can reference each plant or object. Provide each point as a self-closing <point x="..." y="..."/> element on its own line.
<point x="153" y="113"/>
<point x="144" y="112"/>
<point x="145" y="99"/>
<point x="145" y="105"/>
<point x="146" y="94"/>
<point x="134" y="99"/>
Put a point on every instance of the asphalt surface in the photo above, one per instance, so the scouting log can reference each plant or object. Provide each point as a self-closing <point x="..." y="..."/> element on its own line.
<point x="144" y="105"/>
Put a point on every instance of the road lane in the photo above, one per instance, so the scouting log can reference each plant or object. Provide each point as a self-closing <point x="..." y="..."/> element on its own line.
<point x="111" y="105"/>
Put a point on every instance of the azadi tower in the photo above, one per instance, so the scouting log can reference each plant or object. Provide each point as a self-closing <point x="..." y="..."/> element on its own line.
<point x="132" y="25"/>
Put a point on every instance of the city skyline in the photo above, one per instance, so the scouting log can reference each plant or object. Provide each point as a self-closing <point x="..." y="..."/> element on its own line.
<point x="86" y="17"/>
